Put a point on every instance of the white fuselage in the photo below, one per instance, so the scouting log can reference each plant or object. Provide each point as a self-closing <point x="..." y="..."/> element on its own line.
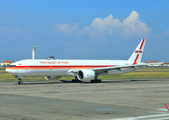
<point x="42" y="67"/>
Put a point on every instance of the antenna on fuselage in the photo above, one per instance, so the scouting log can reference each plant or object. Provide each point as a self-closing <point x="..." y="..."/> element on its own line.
<point x="33" y="52"/>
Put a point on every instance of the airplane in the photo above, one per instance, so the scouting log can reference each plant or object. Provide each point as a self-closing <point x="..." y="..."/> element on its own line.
<point x="82" y="70"/>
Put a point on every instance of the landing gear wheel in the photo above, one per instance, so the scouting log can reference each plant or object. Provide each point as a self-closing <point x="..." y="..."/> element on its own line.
<point x="20" y="82"/>
<point x="99" y="80"/>
<point x="93" y="81"/>
<point x="96" y="81"/>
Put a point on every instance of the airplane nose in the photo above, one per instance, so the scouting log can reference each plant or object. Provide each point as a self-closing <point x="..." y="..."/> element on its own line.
<point x="7" y="70"/>
<point x="13" y="72"/>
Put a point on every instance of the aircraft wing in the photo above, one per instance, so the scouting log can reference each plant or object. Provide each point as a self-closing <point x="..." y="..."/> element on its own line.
<point x="102" y="69"/>
<point x="118" y="67"/>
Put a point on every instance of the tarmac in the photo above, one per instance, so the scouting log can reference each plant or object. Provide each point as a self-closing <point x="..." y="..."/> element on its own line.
<point x="118" y="99"/>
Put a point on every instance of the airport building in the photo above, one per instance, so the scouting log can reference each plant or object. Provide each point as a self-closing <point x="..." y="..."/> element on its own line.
<point x="5" y="63"/>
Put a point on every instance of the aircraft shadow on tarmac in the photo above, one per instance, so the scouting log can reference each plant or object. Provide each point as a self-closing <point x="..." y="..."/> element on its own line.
<point x="70" y="82"/>
<point x="39" y="83"/>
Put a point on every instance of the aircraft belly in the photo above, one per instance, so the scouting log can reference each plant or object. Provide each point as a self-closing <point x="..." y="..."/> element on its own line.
<point x="46" y="72"/>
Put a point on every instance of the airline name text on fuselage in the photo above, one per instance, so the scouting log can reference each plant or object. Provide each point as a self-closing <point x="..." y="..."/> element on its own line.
<point x="54" y="62"/>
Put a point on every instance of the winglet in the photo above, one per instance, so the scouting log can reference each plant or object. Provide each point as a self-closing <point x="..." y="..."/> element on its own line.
<point x="137" y="54"/>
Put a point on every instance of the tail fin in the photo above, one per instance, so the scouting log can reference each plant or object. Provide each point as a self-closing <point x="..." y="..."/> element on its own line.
<point x="137" y="54"/>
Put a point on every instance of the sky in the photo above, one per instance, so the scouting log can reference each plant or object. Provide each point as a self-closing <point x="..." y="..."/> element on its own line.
<point x="83" y="29"/>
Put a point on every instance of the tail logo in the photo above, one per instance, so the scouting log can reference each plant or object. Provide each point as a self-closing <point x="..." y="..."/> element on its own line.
<point x="138" y="51"/>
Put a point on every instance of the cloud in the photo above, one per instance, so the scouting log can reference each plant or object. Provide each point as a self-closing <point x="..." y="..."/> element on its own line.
<point x="105" y="24"/>
<point x="66" y="28"/>
<point x="133" y="25"/>
<point x="109" y="26"/>
<point x="7" y="29"/>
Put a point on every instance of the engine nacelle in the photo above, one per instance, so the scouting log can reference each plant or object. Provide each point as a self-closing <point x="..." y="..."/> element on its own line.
<point x="85" y="74"/>
<point x="52" y="77"/>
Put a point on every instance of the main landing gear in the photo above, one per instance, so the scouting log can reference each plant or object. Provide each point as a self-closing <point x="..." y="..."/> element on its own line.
<point x="96" y="81"/>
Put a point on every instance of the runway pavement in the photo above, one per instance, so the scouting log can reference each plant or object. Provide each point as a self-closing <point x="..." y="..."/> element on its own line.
<point x="135" y="99"/>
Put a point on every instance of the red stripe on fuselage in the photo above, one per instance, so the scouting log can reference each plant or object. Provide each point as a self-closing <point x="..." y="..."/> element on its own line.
<point x="60" y="67"/>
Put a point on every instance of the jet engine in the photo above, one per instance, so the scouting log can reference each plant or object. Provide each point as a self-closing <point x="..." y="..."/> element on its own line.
<point x="85" y="74"/>
<point x="52" y="77"/>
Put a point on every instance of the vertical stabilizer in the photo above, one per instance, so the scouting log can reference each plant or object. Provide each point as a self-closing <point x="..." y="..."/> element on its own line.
<point x="137" y="54"/>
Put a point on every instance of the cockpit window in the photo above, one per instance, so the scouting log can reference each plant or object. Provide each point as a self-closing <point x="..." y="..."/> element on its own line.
<point x="12" y="65"/>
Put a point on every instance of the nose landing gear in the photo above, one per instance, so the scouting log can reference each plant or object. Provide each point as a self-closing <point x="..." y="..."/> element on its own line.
<point x="20" y="81"/>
